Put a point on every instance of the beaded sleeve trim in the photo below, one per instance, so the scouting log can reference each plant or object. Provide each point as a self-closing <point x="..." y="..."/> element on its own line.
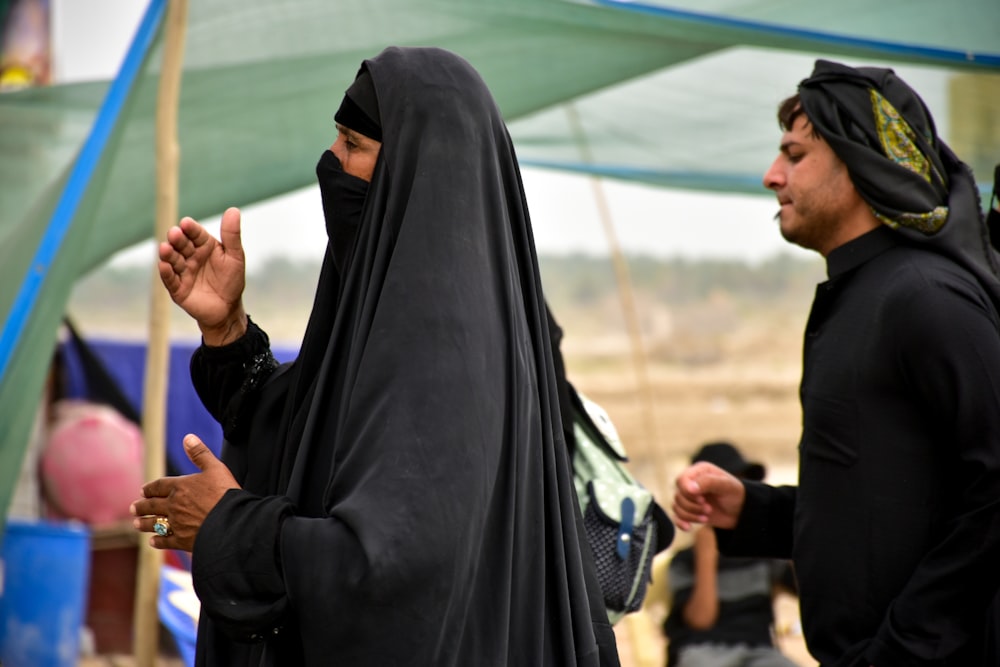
<point x="257" y="370"/>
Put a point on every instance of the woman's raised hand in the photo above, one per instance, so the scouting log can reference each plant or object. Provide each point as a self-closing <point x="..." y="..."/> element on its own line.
<point x="206" y="276"/>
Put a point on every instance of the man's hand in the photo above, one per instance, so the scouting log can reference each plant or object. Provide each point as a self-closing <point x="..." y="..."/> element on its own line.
<point x="708" y="495"/>
<point x="184" y="501"/>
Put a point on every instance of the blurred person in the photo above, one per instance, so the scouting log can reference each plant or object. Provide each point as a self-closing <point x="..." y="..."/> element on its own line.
<point x="894" y="526"/>
<point x="721" y="608"/>
<point x="401" y="493"/>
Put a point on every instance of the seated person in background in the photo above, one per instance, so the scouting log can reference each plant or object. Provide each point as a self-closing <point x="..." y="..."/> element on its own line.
<point x="722" y="608"/>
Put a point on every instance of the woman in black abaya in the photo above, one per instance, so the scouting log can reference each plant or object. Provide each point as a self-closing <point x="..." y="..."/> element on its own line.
<point x="400" y="494"/>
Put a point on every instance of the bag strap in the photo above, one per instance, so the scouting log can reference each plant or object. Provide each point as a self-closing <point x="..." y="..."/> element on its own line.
<point x="581" y="414"/>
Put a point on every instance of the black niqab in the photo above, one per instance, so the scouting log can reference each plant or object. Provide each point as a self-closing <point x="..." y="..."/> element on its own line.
<point x="434" y="518"/>
<point x="343" y="197"/>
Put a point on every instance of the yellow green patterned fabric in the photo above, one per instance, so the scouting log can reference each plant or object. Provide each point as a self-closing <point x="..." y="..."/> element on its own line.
<point x="899" y="144"/>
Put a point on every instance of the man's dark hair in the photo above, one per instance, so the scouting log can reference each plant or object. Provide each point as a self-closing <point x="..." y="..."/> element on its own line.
<point x="788" y="112"/>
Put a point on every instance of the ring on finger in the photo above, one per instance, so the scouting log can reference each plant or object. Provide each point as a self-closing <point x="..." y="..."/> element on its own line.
<point x="162" y="526"/>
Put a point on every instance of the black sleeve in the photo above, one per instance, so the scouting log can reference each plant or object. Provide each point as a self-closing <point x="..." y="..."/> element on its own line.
<point x="226" y="377"/>
<point x="236" y="565"/>
<point x="765" y="528"/>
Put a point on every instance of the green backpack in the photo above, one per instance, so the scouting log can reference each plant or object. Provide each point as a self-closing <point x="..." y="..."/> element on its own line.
<point x="624" y="524"/>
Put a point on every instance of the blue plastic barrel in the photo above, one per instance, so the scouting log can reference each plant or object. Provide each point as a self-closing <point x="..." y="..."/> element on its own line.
<point x="44" y="576"/>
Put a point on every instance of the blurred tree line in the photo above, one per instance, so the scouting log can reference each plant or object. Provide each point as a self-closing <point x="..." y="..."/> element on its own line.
<point x="576" y="282"/>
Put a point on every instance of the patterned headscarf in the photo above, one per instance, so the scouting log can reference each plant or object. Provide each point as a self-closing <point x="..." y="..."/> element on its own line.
<point x="884" y="133"/>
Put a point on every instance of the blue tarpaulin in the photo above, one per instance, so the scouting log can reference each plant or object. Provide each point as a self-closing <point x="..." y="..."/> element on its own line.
<point x="126" y="364"/>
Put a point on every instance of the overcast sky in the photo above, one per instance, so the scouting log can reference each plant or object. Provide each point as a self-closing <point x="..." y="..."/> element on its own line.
<point x="90" y="39"/>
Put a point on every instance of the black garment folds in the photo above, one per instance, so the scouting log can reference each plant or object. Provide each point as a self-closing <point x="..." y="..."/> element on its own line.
<point x="407" y="497"/>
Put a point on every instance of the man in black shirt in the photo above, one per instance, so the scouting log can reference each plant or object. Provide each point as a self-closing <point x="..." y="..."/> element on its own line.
<point x="894" y="527"/>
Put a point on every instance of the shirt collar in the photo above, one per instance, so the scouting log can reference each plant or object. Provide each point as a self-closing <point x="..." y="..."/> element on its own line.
<point x="857" y="251"/>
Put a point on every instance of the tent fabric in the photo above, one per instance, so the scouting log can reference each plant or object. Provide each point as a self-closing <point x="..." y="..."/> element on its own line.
<point x="724" y="140"/>
<point x="678" y="94"/>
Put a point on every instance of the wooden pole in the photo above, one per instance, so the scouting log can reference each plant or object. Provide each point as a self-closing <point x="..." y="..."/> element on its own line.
<point x="625" y="291"/>
<point x="146" y="618"/>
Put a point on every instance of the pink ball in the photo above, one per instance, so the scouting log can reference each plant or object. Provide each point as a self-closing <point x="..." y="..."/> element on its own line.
<point x="91" y="465"/>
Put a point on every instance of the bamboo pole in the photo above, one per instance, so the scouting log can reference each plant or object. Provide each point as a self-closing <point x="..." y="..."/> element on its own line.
<point x="146" y="619"/>
<point x="625" y="291"/>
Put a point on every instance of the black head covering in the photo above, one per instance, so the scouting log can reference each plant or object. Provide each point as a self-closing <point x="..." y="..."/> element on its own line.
<point x="729" y="458"/>
<point x="885" y="135"/>
<point x="422" y="430"/>
<point x="359" y="108"/>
